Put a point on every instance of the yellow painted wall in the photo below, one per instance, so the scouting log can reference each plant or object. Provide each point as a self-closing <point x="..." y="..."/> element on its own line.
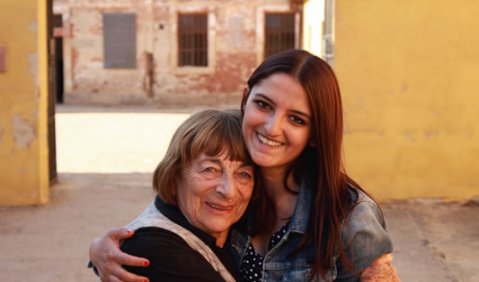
<point x="409" y="72"/>
<point x="23" y="104"/>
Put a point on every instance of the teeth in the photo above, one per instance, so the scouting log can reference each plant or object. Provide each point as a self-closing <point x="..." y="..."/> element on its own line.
<point x="268" y="142"/>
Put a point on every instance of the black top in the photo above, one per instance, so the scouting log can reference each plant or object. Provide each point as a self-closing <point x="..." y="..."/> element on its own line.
<point x="252" y="264"/>
<point x="171" y="259"/>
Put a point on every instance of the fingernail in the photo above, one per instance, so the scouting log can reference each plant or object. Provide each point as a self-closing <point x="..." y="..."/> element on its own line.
<point x="146" y="263"/>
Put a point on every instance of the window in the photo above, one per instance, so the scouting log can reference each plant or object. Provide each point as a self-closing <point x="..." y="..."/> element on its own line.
<point x="119" y="40"/>
<point x="279" y="33"/>
<point x="193" y="39"/>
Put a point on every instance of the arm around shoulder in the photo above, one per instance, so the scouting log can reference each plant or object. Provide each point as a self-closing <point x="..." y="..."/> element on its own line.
<point x="107" y="258"/>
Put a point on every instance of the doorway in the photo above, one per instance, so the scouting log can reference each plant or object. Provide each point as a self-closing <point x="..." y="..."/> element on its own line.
<point x="57" y="24"/>
<point x="52" y="91"/>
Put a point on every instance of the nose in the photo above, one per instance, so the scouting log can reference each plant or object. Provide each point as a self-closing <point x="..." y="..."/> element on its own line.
<point x="273" y="125"/>
<point x="226" y="187"/>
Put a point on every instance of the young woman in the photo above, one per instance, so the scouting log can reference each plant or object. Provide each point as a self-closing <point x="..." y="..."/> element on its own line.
<point x="311" y="222"/>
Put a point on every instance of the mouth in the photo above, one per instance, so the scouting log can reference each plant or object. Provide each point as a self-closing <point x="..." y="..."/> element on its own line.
<point x="267" y="141"/>
<point x="218" y="207"/>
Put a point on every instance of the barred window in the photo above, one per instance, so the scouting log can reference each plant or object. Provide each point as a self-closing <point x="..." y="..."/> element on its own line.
<point x="279" y="33"/>
<point x="193" y="39"/>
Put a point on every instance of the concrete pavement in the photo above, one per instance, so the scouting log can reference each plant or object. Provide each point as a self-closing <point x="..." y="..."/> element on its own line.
<point x="105" y="158"/>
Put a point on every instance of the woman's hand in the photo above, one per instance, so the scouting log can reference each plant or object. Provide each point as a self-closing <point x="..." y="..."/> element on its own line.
<point x="380" y="270"/>
<point x="106" y="256"/>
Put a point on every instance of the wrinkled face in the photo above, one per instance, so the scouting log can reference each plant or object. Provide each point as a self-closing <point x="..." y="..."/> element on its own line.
<point x="276" y="122"/>
<point x="213" y="193"/>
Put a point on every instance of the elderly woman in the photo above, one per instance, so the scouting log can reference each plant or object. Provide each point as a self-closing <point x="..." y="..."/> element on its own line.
<point x="204" y="184"/>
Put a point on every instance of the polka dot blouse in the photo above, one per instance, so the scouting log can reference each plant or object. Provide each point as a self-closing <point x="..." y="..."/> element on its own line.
<point x="252" y="264"/>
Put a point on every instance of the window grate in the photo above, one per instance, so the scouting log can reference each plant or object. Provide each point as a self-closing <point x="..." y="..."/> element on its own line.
<point x="193" y="40"/>
<point x="279" y="33"/>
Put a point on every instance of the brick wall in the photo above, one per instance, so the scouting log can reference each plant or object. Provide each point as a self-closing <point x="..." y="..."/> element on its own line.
<point x="235" y="30"/>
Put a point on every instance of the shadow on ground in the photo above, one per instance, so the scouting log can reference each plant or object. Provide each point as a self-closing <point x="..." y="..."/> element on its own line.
<point x="434" y="240"/>
<point x="50" y="243"/>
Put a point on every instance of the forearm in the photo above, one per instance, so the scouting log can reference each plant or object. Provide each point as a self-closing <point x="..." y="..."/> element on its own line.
<point x="381" y="270"/>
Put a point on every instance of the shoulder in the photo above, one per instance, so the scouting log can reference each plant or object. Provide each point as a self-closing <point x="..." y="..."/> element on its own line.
<point x="364" y="234"/>
<point x="169" y="256"/>
<point x="365" y="213"/>
<point x="147" y="242"/>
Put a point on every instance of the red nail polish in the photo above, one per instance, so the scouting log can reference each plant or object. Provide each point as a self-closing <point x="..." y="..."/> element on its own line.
<point x="146" y="263"/>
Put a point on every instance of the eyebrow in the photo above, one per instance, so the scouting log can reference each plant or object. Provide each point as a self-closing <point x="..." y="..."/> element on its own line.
<point x="218" y="161"/>
<point x="300" y="113"/>
<point x="211" y="159"/>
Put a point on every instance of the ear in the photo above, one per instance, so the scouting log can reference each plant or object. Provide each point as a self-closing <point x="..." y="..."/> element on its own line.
<point x="245" y="98"/>
<point x="245" y="92"/>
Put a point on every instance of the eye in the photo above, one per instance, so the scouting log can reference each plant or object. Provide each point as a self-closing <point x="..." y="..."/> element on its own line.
<point x="297" y="120"/>
<point x="211" y="173"/>
<point x="210" y="169"/>
<point x="262" y="104"/>
<point x="245" y="177"/>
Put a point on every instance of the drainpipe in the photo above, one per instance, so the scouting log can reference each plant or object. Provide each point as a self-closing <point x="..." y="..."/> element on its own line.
<point x="297" y="7"/>
<point x="149" y="77"/>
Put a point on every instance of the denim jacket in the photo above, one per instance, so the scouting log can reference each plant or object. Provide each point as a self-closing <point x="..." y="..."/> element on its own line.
<point x="364" y="238"/>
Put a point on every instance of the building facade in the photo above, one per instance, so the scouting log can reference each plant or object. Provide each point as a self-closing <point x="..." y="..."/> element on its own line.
<point x="408" y="75"/>
<point x="169" y="52"/>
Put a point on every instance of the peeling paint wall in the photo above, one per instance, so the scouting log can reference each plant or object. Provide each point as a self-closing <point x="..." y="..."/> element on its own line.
<point x="409" y="77"/>
<point x="24" y="170"/>
<point x="23" y="132"/>
<point x="233" y="40"/>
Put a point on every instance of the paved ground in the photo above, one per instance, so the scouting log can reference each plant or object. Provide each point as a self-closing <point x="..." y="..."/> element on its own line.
<point x="104" y="161"/>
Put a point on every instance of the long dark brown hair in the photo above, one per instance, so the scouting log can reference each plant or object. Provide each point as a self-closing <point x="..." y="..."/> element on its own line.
<point x="320" y="162"/>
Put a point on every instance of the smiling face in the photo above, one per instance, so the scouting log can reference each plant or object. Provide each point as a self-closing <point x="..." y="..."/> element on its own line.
<point x="276" y="122"/>
<point x="213" y="193"/>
